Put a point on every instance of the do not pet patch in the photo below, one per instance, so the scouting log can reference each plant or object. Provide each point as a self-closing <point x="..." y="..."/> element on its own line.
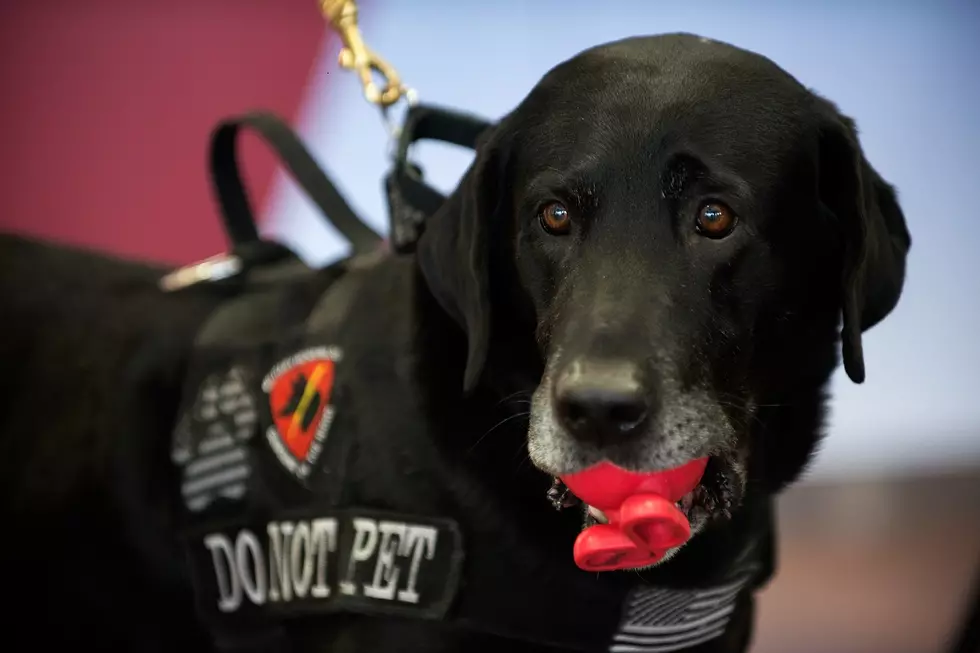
<point x="299" y="389"/>
<point x="345" y="560"/>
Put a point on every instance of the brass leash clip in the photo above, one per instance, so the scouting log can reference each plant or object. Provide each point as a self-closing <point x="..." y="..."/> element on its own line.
<point x="356" y="56"/>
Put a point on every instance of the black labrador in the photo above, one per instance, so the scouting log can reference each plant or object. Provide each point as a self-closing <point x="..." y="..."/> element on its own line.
<point x="649" y="262"/>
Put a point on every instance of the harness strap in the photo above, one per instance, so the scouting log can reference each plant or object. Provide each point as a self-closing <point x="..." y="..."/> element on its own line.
<point x="236" y="211"/>
<point x="437" y="123"/>
<point x="410" y="199"/>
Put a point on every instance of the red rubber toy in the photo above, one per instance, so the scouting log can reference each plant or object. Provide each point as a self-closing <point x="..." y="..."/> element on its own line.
<point x="643" y="522"/>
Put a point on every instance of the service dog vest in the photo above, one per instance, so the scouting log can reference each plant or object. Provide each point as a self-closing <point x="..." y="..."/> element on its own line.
<point x="262" y="445"/>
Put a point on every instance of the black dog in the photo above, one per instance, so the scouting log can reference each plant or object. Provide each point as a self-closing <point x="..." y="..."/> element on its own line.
<point x="647" y="263"/>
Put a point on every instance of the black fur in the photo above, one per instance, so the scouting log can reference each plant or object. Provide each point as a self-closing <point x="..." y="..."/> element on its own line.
<point x="632" y="137"/>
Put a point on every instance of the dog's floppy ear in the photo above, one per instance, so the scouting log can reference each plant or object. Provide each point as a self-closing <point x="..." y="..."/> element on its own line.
<point x="454" y="251"/>
<point x="876" y="237"/>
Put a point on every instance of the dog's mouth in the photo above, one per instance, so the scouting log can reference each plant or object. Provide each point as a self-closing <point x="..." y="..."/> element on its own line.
<point x="712" y="498"/>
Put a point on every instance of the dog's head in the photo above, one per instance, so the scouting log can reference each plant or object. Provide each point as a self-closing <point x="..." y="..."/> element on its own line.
<point x="681" y="226"/>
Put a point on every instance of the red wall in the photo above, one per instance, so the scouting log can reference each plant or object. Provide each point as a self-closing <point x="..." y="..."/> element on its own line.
<point x="107" y="104"/>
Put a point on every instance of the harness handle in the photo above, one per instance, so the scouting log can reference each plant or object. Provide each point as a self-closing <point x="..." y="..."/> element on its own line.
<point x="236" y="210"/>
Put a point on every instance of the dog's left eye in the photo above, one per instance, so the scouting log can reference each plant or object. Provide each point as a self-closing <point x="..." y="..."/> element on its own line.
<point x="715" y="220"/>
<point x="555" y="219"/>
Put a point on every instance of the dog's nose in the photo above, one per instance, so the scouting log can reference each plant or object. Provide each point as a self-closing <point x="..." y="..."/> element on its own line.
<point x="602" y="401"/>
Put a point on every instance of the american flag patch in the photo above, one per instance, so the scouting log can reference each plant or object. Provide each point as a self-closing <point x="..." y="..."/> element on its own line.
<point x="210" y="440"/>
<point x="660" y="620"/>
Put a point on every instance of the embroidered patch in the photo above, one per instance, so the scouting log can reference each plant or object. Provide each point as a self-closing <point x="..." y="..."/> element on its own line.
<point x="209" y="441"/>
<point x="345" y="560"/>
<point x="299" y="390"/>
<point x="660" y="620"/>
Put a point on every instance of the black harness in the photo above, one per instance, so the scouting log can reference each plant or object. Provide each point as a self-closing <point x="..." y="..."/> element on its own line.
<point x="269" y="543"/>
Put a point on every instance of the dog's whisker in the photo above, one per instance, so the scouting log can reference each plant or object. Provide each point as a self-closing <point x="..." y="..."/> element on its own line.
<point x="739" y="402"/>
<point x="496" y="426"/>
<point x="521" y="450"/>
<point x="514" y="396"/>
<point x="743" y="410"/>
<point x="523" y="463"/>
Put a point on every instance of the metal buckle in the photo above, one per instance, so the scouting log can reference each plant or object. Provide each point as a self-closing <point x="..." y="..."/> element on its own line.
<point x="358" y="57"/>
<point x="215" y="268"/>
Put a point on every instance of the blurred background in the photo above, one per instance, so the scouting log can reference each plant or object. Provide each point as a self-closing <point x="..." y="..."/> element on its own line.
<point x="107" y="104"/>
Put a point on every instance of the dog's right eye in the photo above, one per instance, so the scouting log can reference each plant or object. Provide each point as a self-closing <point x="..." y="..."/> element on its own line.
<point x="555" y="219"/>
